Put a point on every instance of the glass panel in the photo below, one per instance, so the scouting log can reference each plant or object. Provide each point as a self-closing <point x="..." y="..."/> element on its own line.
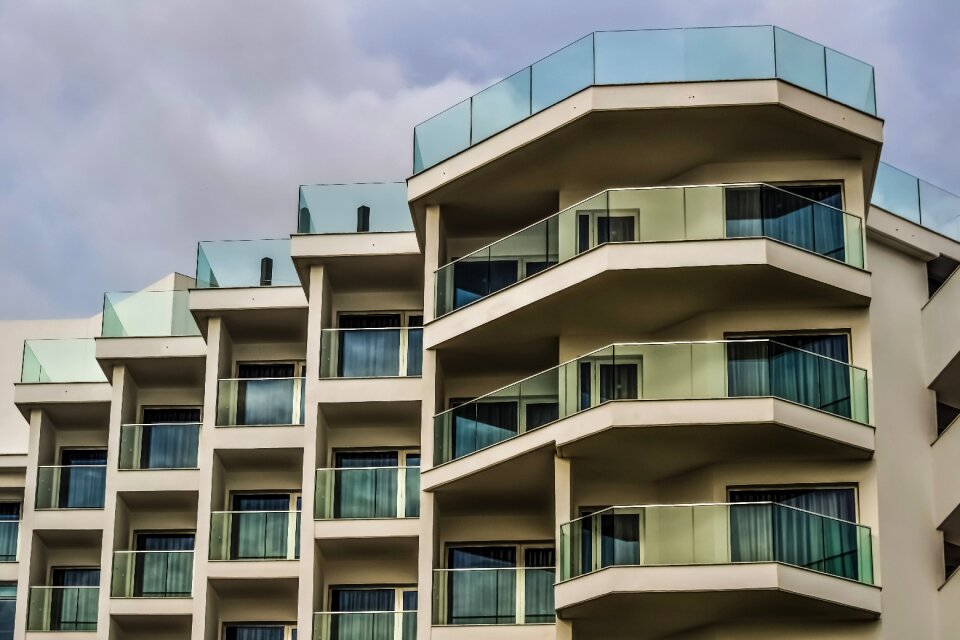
<point x="494" y="596"/>
<point x="562" y="74"/>
<point x="61" y="360"/>
<point x="371" y="353"/>
<point x="500" y="106"/>
<point x="639" y="57"/>
<point x="728" y="53"/>
<point x="442" y="136"/>
<point x="801" y="61"/>
<point x="245" y="263"/>
<point x="152" y="574"/>
<point x="8" y="608"/>
<point x="367" y="625"/>
<point x="332" y="208"/>
<point x="159" y="446"/>
<point x="260" y="402"/>
<point x="369" y="492"/>
<point x="71" y="487"/>
<point x="850" y="82"/>
<point x="940" y="210"/>
<point x="897" y="192"/>
<point x="62" y="609"/>
<point x="254" y="535"/>
<point x="148" y="313"/>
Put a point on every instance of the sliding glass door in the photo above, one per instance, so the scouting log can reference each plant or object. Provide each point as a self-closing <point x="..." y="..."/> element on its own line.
<point x="165" y="569"/>
<point x="263" y="527"/>
<point x="82" y="478"/>
<point x="73" y="609"/>
<point x="270" y="400"/>
<point x="170" y="438"/>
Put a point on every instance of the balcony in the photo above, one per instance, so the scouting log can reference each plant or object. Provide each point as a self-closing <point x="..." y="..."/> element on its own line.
<point x="365" y="625"/>
<point x="62" y="608"/>
<point x="159" y="446"/>
<point x="514" y="596"/>
<point x="717" y="562"/>
<point x="142" y="314"/>
<point x="373" y="207"/>
<point x="60" y="361"/>
<point x="651" y="215"/>
<point x="917" y="200"/>
<point x="254" y="535"/>
<point x="152" y="574"/>
<point x="367" y="493"/>
<point x="232" y="264"/>
<point x="395" y="352"/>
<point x="249" y="402"/>
<point x="71" y="487"/>
<point x="667" y="56"/>
<point x="658" y="372"/>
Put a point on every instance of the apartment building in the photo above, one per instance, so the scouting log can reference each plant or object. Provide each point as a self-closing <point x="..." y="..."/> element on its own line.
<point x="650" y="345"/>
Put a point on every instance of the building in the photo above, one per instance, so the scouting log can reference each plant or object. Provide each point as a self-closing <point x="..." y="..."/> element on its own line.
<point x="650" y="345"/>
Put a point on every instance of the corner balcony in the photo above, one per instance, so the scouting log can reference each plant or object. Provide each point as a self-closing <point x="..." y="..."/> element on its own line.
<point x="696" y="247"/>
<point x="371" y="365"/>
<point x="63" y="609"/>
<point x="671" y="407"/>
<point x="651" y="571"/>
<point x="62" y="377"/>
<point x="154" y="334"/>
<point x="918" y="201"/>
<point x="365" y="625"/>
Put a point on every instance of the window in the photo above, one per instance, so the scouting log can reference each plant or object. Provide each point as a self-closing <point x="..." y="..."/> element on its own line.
<point x="601" y="226"/>
<point x="165" y="443"/>
<point x="375" y="345"/>
<point x="83" y="479"/>
<point x="376" y="484"/>
<point x="499" y="584"/>
<point x="602" y="380"/>
<point x="74" y="608"/>
<point x="165" y="568"/>
<point x="371" y="612"/>
<point x="259" y="631"/>
<point x="270" y="393"/>
<point x="8" y="608"/>
<point x="9" y="531"/>
<point x="264" y="527"/>
<point x="618" y="541"/>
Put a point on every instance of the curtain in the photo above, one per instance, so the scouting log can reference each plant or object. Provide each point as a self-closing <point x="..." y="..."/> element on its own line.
<point x="159" y="574"/>
<point x="365" y="484"/>
<point x="369" y="354"/>
<point x="487" y="596"/>
<point x="800" y="538"/>
<point x="362" y="624"/>
<point x="74" y="609"/>
<point x="262" y="534"/>
<point x="409" y="625"/>
<point x="618" y="382"/>
<point x="255" y="632"/>
<point x="8" y="607"/>
<point x="262" y="401"/>
<point x="541" y="413"/>
<point x="539" y="578"/>
<point x="477" y="425"/>
<point x="169" y="446"/>
<point x="83" y="478"/>
<point x="412" y="486"/>
<point x="415" y="346"/>
<point x="619" y="539"/>
<point x="475" y="279"/>
<point x="9" y="530"/>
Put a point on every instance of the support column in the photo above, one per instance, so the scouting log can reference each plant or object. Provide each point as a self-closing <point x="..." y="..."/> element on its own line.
<point x="563" y="513"/>
<point x="25" y="574"/>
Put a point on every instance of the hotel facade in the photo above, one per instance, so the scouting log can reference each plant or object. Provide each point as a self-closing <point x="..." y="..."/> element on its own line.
<point x="650" y="345"/>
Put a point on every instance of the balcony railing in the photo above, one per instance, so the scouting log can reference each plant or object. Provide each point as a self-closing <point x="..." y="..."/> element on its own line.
<point x="245" y="263"/>
<point x="367" y="492"/>
<point x="255" y="535"/>
<point x="645" y="57"/>
<point x="712" y="534"/>
<point x="371" y="353"/>
<point x="62" y="608"/>
<point x="250" y="402"/>
<point x="61" y="360"/>
<point x="653" y="371"/>
<point x="159" y="446"/>
<point x="152" y="574"/>
<point x="493" y="596"/>
<point x="71" y="487"/>
<point x="10" y="539"/>
<point x="142" y="314"/>
<point x="917" y="200"/>
<point x="365" y="625"/>
<point x="655" y="214"/>
<point x="376" y="207"/>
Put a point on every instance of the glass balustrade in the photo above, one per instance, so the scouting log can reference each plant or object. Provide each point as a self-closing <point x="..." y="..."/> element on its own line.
<point x="657" y="214"/>
<point x="255" y="535"/>
<point x="249" y="402"/>
<point x="338" y="208"/>
<point x="711" y="534"/>
<point x="654" y="371"/>
<point x="245" y="263"/>
<point x="367" y="492"/>
<point x="10" y="538"/>
<point x="159" y="446"/>
<point x="61" y="360"/>
<point x="62" y="608"/>
<point x="152" y="574"/>
<point x="71" y="487"/>
<point x="493" y="596"/>
<point x="371" y="353"/>
<point x="643" y="57"/>
<point x="917" y="200"/>
<point x="148" y="314"/>
<point x="365" y="625"/>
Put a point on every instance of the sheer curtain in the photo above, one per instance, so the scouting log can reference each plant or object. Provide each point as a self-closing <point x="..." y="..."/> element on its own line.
<point x="83" y="480"/>
<point x="163" y="574"/>
<point x="366" y="484"/>
<point x="74" y="609"/>
<point x="482" y="597"/>
<point x="373" y="353"/>
<point x="362" y="624"/>
<point x="9" y="530"/>
<point x="261" y="534"/>
<point x="264" y="401"/>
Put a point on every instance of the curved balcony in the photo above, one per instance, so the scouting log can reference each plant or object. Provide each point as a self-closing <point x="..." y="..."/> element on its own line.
<point x="682" y="371"/>
<point x="645" y="57"/>
<point x="719" y="562"/>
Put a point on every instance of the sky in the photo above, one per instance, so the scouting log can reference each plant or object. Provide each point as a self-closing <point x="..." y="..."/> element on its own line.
<point x="131" y="129"/>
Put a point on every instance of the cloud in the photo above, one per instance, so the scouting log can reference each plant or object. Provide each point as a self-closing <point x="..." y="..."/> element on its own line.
<point x="131" y="130"/>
